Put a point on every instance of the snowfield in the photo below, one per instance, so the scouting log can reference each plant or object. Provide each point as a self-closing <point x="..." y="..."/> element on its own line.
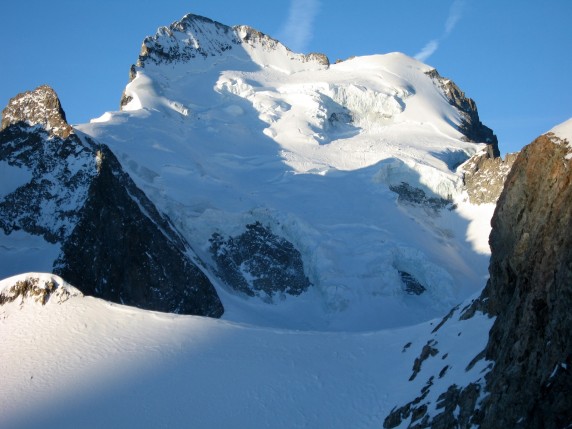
<point x="82" y="362"/>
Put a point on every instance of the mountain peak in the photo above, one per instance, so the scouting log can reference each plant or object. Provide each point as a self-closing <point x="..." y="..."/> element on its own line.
<point x="38" y="107"/>
<point x="192" y="36"/>
<point x="196" y="36"/>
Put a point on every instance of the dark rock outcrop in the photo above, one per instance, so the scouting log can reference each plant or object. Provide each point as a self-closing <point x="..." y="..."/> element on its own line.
<point x="114" y="242"/>
<point x="471" y="125"/>
<point x="410" y="284"/>
<point x="407" y="194"/>
<point x="484" y="176"/>
<point x="428" y="350"/>
<point x="318" y="57"/>
<point x="530" y="292"/>
<point x="60" y="171"/>
<point x="259" y="263"/>
<point x="124" y="251"/>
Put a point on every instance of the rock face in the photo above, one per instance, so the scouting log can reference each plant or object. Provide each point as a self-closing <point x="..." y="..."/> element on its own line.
<point x="124" y="251"/>
<point x="39" y="290"/>
<point x="407" y="194"/>
<point x="484" y="176"/>
<point x="60" y="171"/>
<point x="530" y="292"/>
<point x="471" y="125"/>
<point x="484" y="173"/>
<point x="38" y="107"/>
<point x="259" y="263"/>
<point x="114" y="243"/>
<point x="170" y="44"/>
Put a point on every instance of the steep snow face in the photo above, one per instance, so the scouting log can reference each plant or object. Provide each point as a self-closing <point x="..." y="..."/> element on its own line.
<point x="224" y="127"/>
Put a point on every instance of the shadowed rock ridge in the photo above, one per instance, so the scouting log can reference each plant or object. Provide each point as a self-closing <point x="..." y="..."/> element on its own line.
<point x="471" y="125"/>
<point x="114" y="243"/>
<point x="485" y="172"/>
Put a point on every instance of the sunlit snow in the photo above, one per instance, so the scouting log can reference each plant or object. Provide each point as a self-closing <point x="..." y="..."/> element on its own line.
<point x="310" y="151"/>
<point x="82" y="362"/>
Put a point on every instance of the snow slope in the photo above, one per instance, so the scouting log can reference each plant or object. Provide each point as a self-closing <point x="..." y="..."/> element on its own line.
<point x="82" y="362"/>
<point x="223" y="127"/>
<point x="563" y="130"/>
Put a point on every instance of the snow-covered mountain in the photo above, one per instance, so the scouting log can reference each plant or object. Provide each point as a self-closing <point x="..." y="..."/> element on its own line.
<point x="351" y="168"/>
<point x="334" y="216"/>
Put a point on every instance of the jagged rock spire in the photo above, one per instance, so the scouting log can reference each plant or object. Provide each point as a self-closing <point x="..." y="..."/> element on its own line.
<point x="38" y="107"/>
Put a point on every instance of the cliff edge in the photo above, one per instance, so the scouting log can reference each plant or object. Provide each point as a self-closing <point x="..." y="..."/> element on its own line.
<point x="530" y="291"/>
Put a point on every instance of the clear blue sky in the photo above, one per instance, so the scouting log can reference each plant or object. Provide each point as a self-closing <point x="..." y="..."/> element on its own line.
<point x="513" y="57"/>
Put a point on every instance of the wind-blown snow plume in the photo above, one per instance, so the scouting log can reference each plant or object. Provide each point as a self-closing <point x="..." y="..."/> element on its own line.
<point x="455" y="14"/>
<point x="427" y="50"/>
<point x="297" y="30"/>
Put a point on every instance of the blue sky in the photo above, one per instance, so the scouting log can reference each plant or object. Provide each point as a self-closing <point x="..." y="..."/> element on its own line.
<point x="513" y="57"/>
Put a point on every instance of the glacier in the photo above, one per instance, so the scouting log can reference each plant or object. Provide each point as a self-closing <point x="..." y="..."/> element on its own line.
<point x="223" y="127"/>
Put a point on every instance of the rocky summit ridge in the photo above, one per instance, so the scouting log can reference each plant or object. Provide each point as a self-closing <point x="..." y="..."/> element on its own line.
<point x="38" y="107"/>
<point x="471" y="125"/>
<point x="196" y="36"/>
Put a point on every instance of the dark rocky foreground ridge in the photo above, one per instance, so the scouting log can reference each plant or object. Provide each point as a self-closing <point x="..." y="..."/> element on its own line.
<point x="114" y="243"/>
<point x="528" y="379"/>
<point x="530" y="292"/>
